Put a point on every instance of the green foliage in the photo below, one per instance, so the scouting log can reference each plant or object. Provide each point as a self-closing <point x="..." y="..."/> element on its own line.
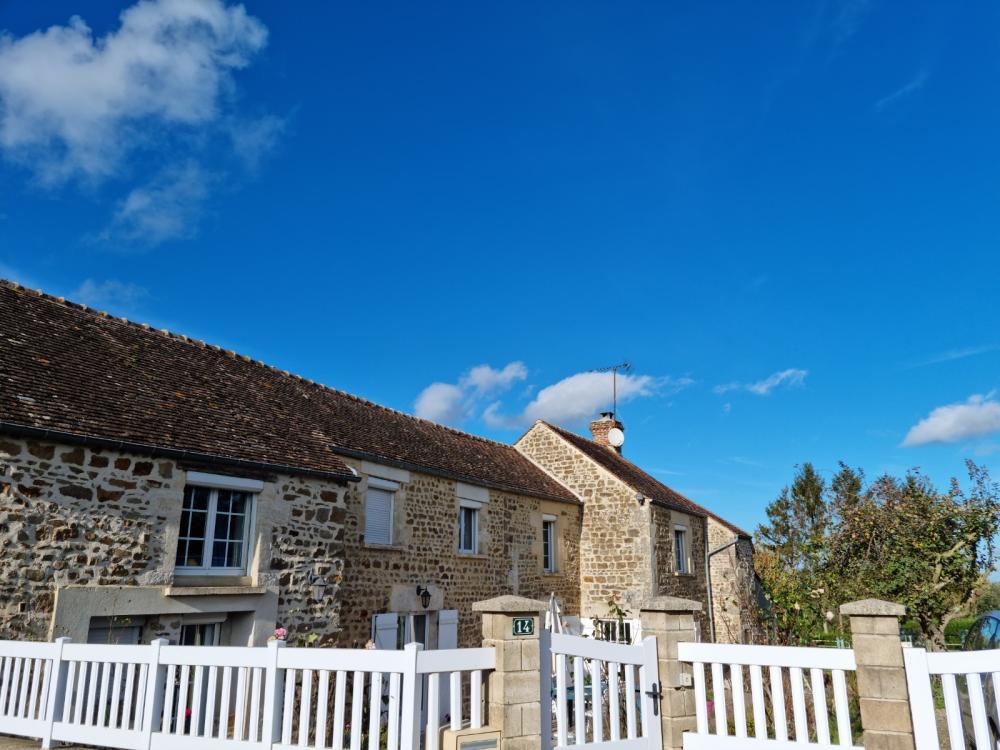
<point x="898" y="539"/>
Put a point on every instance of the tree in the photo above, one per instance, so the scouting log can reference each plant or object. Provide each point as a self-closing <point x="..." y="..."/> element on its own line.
<point x="898" y="539"/>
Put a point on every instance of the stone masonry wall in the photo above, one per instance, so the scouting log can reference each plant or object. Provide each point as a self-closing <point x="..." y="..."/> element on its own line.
<point x="425" y="553"/>
<point x="77" y="517"/>
<point x="615" y="543"/>
<point x="668" y="581"/>
<point x="732" y="579"/>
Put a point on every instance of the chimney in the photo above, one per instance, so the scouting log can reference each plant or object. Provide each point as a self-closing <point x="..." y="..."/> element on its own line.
<point x="600" y="428"/>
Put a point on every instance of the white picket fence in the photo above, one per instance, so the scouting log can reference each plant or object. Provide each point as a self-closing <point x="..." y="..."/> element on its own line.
<point x="970" y="683"/>
<point x="209" y="698"/>
<point x="770" y="670"/>
<point x="614" y="689"/>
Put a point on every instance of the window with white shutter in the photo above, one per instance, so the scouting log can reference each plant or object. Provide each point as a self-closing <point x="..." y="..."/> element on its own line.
<point x="379" y="503"/>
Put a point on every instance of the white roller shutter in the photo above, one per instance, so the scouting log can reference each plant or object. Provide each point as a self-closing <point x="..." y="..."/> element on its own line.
<point x="378" y="516"/>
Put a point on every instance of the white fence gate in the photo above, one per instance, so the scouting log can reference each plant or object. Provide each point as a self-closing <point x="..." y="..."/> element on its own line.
<point x="613" y="690"/>
<point x="215" y="698"/>
<point x="769" y="670"/>
<point x="970" y="684"/>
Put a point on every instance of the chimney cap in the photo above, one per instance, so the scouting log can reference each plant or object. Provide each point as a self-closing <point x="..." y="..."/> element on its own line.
<point x="607" y="415"/>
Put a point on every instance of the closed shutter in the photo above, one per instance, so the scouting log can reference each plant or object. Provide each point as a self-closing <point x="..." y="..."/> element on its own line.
<point x="378" y="516"/>
<point x="386" y="631"/>
<point x="447" y="638"/>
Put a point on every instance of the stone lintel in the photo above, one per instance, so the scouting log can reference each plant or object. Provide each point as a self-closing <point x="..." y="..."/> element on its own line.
<point x="872" y="608"/>
<point x="670" y="604"/>
<point x="510" y="605"/>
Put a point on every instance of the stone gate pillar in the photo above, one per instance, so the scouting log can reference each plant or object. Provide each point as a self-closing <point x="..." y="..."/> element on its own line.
<point x="882" y="691"/>
<point x="671" y="620"/>
<point x="511" y="625"/>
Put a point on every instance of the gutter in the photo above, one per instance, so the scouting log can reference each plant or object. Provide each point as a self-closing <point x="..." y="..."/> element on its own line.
<point x="708" y="579"/>
<point x="43" y="433"/>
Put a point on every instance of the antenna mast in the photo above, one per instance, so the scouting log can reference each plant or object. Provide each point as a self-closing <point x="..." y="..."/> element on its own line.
<point x="613" y="369"/>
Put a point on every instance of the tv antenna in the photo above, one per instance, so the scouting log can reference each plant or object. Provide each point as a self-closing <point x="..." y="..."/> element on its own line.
<point x="613" y="369"/>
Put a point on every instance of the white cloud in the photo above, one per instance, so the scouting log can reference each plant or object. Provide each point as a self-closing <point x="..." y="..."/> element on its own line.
<point x="485" y="379"/>
<point x="582" y="396"/>
<point x="955" y="354"/>
<point x="449" y="403"/>
<point x="979" y="415"/>
<point x="909" y="88"/>
<point x="789" y="378"/>
<point x="109" y="294"/>
<point x="166" y="208"/>
<point x="255" y="139"/>
<point x="75" y="105"/>
<point x="441" y="402"/>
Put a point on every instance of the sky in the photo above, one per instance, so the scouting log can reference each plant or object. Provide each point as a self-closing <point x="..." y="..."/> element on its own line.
<point x="783" y="214"/>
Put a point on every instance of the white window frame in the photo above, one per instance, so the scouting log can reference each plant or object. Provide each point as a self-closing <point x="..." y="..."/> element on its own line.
<point x="214" y="483"/>
<point x="391" y="488"/>
<point x="549" y="534"/>
<point x="475" y="508"/>
<point x="685" y="567"/>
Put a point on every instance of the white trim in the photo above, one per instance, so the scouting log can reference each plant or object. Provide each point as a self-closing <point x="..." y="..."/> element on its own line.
<point x="474" y="504"/>
<point x="680" y="526"/>
<point x="475" y="507"/>
<point x="223" y="482"/>
<point x="249" y="536"/>
<point x="383" y="484"/>
<point x="204" y="618"/>
<point x="472" y="492"/>
<point x="549" y="517"/>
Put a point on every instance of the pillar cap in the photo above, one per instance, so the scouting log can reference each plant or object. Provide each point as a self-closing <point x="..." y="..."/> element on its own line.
<point x="872" y="608"/>
<point x="670" y="604"/>
<point x="509" y="604"/>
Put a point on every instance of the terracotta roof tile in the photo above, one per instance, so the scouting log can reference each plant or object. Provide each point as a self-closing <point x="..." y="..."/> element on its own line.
<point x="638" y="479"/>
<point x="67" y="368"/>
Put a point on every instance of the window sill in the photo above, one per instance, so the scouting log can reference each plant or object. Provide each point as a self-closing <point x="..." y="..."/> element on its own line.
<point x="384" y="547"/>
<point x="198" y="579"/>
<point x="471" y="555"/>
<point x="551" y="573"/>
<point x="683" y="575"/>
<point x="173" y="591"/>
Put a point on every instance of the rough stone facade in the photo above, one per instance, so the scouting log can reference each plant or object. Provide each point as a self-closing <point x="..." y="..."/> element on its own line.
<point x="626" y="548"/>
<point x="424" y="552"/>
<point x="93" y="533"/>
<point x="733" y="584"/>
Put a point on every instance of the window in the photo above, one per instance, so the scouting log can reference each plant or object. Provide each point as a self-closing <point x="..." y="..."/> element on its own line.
<point x="468" y="528"/>
<point x="549" y="544"/>
<point x="680" y="550"/>
<point x="380" y="501"/>
<point x="215" y="530"/>
<point x="201" y="634"/>
<point x="615" y="631"/>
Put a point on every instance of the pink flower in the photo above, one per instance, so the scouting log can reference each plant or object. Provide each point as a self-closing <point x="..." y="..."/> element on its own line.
<point x="280" y="633"/>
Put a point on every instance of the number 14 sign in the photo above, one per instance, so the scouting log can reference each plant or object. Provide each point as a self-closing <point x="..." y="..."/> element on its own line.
<point x="524" y="626"/>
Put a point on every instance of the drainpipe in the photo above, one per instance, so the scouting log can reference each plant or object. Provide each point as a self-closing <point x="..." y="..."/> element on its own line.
<point x="708" y="579"/>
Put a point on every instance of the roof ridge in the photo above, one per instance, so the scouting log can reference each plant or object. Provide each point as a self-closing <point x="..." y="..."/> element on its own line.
<point x="236" y="355"/>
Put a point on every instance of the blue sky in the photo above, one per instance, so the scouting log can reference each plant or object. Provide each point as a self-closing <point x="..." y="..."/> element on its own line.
<point x="784" y="214"/>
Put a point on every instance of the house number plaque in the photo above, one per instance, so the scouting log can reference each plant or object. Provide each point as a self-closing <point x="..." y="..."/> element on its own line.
<point x="524" y="626"/>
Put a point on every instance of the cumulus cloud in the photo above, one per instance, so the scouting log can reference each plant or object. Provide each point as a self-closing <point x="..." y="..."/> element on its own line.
<point x="109" y="294"/>
<point x="789" y="378"/>
<point x="581" y="396"/>
<point x="71" y="102"/>
<point x="979" y="415"/>
<point x="166" y="208"/>
<point x="452" y="403"/>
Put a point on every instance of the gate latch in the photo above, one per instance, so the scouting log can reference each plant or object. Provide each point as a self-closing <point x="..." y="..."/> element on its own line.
<point x="657" y="696"/>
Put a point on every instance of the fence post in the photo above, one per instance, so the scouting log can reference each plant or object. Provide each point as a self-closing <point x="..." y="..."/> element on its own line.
<point x="409" y="732"/>
<point x="882" y="691"/>
<point x="274" y="693"/>
<point x="156" y="687"/>
<point x="57" y="691"/>
<point x="671" y="620"/>
<point x="511" y="625"/>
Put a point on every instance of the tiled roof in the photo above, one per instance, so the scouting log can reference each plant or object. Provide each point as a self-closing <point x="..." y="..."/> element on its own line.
<point x="69" y="369"/>
<point x="637" y="479"/>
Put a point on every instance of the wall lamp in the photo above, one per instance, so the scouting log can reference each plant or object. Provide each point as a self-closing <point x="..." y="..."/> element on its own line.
<point x="640" y="498"/>
<point x="425" y="596"/>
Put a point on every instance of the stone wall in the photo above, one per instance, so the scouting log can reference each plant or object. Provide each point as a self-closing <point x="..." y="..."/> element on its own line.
<point x="626" y="549"/>
<point x="73" y="518"/>
<point x="732" y="581"/>
<point x="425" y="553"/>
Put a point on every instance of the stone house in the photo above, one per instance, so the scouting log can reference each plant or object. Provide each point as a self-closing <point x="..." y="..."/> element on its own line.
<point x="640" y="538"/>
<point x="152" y="485"/>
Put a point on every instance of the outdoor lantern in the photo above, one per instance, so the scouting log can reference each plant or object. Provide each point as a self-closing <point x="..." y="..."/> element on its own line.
<point x="318" y="584"/>
<point x="425" y="596"/>
<point x="641" y="498"/>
